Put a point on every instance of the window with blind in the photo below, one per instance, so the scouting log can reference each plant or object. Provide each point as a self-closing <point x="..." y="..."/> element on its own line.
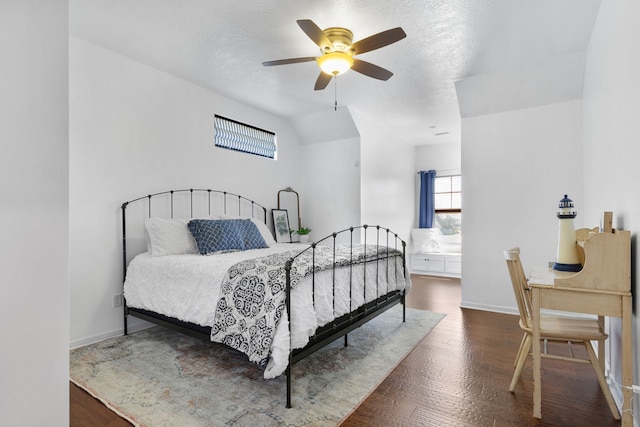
<point x="448" y="193"/>
<point x="448" y="204"/>
<point x="233" y="135"/>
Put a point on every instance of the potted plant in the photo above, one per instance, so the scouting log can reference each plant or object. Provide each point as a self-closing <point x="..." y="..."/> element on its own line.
<point x="303" y="232"/>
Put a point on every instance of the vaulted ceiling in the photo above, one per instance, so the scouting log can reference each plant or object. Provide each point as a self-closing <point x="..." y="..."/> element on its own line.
<point x="501" y="53"/>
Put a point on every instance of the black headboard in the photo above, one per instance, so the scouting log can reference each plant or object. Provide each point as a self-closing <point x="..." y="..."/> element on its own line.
<point x="188" y="203"/>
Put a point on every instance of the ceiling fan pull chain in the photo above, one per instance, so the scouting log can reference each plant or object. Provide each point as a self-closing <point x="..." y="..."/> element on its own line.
<point x="335" y="94"/>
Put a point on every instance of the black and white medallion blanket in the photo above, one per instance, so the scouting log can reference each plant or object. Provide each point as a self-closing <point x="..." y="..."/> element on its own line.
<point x="253" y="292"/>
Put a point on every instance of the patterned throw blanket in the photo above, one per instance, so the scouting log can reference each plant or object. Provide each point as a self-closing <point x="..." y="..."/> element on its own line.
<point x="253" y="292"/>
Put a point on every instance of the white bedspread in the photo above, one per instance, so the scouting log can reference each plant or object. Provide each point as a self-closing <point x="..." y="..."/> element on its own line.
<point x="187" y="287"/>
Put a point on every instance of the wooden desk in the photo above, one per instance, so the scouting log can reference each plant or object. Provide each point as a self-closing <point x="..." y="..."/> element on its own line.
<point x="548" y="292"/>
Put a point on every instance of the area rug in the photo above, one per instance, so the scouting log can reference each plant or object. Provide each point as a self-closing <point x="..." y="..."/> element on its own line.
<point x="159" y="377"/>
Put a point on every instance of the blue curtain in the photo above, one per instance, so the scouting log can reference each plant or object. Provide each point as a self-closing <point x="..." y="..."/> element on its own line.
<point x="427" y="198"/>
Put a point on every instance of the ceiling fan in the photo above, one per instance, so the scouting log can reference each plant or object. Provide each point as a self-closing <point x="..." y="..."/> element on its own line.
<point x="338" y="51"/>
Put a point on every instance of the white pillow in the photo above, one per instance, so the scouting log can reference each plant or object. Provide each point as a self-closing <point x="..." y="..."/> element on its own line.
<point x="451" y="243"/>
<point x="169" y="236"/>
<point x="426" y="239"/>
<point x="264" y="231"/>
<point x="262" y="227"/>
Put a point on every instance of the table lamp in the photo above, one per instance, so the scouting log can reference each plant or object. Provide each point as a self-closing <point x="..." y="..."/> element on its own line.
<point x="567" y="256"/>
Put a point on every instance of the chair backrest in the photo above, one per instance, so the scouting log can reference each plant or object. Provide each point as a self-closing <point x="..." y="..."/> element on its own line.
<point x="520" y="286"/>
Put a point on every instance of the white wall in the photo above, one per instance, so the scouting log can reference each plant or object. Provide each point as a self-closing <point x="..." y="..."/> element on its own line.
<point x="518" y="165"/>
<point x="611" y="136"/>
<point x="439" y="157"/>
<point x="522" y="161"/>
<point x="34" y="171"/>
<point x="135" y="130"/>
<point x="332" y="191"/>
<point x="387" y="178"/>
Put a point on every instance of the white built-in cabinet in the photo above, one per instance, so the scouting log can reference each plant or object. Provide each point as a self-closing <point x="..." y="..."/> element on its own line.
<point x="436" y="264"/>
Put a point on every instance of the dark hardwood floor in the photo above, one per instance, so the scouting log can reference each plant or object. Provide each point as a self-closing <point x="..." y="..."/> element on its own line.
<point x="457" y="376"/>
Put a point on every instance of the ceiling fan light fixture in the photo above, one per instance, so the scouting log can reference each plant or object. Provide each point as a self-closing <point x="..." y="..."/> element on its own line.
<point x="337" y="52"/>
<point x="335" y="63"/>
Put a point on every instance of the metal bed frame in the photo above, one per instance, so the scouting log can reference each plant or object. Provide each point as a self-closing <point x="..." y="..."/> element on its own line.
<point x="324" y="335"/>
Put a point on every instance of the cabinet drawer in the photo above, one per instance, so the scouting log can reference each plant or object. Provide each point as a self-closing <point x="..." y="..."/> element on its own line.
<point x="453" y="265"/>
<point x="439" y="264"/>
<point x="428" y="263"/>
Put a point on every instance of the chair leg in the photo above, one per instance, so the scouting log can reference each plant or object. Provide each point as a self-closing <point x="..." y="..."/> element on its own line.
<point x="601" y="355"/>
<point x="525" y="348"/>
<point x="524" y="337"/>
<point x="601" y="379"/>
<point x="601" y="351"/>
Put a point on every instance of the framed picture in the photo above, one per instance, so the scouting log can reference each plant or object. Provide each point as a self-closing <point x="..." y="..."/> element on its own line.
<point x="281" y="225"/>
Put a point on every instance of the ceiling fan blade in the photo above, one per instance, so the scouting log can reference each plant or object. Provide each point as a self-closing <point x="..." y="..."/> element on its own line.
<point x="379" y="40"/>
<point x="323" y="81"/>
<point x="288" y="61"/>
<point x="371" y="70"/>
<point x="315" y="33"/>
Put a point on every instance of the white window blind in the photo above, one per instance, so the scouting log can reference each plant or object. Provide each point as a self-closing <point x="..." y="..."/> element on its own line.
<point x="448" y="193"/>
<point x="238" y="136"/>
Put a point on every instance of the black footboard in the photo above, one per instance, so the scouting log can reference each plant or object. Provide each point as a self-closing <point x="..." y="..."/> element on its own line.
<point x="374" y="304"/>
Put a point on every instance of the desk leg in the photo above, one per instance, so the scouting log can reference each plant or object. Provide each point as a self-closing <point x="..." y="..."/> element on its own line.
<point x="537" y="394"/>
<point x="627" y="362"/>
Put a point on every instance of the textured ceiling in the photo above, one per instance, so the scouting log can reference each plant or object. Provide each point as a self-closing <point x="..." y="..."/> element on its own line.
<point x="220" y="44"/>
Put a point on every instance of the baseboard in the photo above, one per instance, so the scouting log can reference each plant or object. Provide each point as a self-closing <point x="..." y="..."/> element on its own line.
<point x="94" y="339"/>
<point x="134" y="325"/>
<point x="434" y="274"/>
<point x="488" y="307"/>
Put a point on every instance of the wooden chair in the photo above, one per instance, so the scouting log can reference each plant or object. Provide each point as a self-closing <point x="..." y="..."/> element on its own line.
<point x="557" y="329"/>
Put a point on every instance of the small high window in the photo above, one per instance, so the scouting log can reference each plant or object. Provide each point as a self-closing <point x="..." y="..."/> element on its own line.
<point x="237" y="136"/>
